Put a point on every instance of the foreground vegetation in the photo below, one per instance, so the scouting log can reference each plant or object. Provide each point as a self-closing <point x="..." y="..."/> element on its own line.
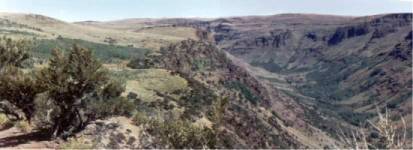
<point x="72" y="84"/>
<point x="384" y="133"/>
<point x="72" y="91"/>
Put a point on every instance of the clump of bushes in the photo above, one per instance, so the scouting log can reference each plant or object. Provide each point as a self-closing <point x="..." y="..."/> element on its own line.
<point x="110" y="41"/>
<point x="3" y="120"/>
<point x="140" y="118"/>
<point x="244" y="90"/>
<point x="18" y="89"/>
<point x="182" y="134"/>
<point x="23" y="125"/>
<point x="108" y="102"/>
<point x="119" y="106"/>
<point x="179" y="134"/>
<point x="13" y="52"/>
<point x="77" y="143"/>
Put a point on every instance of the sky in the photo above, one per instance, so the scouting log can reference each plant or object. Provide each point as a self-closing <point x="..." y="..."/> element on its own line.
<point x="105" y="10"/>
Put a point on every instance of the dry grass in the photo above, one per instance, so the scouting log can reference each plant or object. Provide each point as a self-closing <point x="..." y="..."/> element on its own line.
<point x="389" y="135"/>
<point x="77" y="143"/>
<point x="146" y="82"/>
<point x="24" y="126"/>
<point x="3" y="119"/>
<point x="50" y="28"/>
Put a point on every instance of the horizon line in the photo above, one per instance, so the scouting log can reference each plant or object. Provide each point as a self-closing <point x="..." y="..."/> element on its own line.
<point x="206" y="18"/>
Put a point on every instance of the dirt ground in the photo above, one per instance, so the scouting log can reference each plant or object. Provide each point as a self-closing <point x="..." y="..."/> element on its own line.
<point x="13" y="138"/>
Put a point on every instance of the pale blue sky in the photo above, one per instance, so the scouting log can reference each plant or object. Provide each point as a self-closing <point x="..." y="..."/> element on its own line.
<point x="101" y="10"/>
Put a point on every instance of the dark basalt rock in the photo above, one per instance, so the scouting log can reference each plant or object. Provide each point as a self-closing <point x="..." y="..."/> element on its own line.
<point x="311" y="36"/>
<point x="261" y="42"/>
<point x="219" y="37"/>
<point x="379" y="72"/>
<point x="357" y="31"/>
<point x="222" y="28"/>
<point x="338" y="36"/>
<point x="409" y="36"/>
<point x="347" y="32"/>
<point x="279" y="38"/>
<point x="381" y="32"/>
<point x="395" y="20"/>
<point x="276" y="39"/>
<point x="401" y="53"/>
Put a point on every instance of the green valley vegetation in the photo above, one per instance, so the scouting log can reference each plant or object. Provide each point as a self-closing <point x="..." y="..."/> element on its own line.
<point x="106" y="53"/>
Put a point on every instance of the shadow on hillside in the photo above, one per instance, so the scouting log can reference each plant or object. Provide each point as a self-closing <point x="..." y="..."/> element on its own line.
<point x="6" y="126"/>
<point x="24" y="138"/>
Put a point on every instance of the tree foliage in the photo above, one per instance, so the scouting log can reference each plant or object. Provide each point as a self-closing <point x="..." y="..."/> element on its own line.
<point x="70" y="80"/>
<point x="13" y="52"/>
<point x="18" y="90"/>
<point x="75" y="86"/>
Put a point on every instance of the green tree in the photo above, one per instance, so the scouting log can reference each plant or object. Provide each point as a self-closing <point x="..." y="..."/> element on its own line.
<point x="13" y="52"/>
<point x="70" y="81"/>
<point x="18" y="90"/>
<point x="108" y="102"/>
<point x="76" y="85"/>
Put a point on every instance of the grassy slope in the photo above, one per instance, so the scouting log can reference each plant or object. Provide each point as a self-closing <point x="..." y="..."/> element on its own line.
<point x="49" y="28"/>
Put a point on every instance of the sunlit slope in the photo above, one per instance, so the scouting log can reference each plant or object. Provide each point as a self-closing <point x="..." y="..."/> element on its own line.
<point x="30" y="25"/>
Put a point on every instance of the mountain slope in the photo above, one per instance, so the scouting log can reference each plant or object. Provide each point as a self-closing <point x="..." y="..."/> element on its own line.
<point x="257" y="114"/>
<point x="345" y="65"/>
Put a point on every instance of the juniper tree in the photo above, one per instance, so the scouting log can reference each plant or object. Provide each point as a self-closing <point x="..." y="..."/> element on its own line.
<point x="13" y="52"/>
<point x="72" y="83"/>
<point x="17" y="89"/>
<point x="70" y="80"/>
<point x="20" y="90"/>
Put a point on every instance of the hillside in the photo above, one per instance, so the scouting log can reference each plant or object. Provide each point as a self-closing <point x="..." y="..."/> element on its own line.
<point x="338" y="66"/>
<point x="280" y="81"/>
<point x="42" y="27"/>
<point x="346" y="66"/>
